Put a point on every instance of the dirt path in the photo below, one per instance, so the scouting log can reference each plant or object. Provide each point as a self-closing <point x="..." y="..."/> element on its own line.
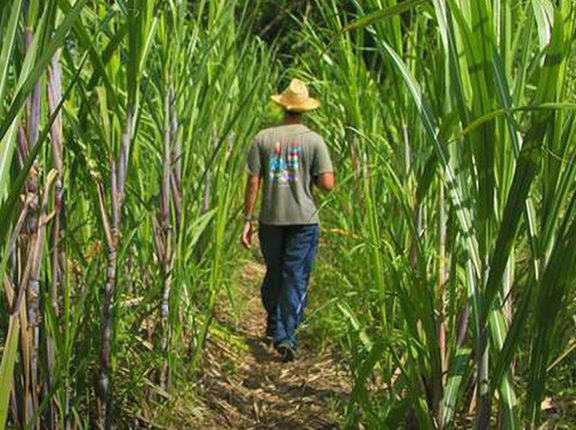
<point x="246" y="386"/>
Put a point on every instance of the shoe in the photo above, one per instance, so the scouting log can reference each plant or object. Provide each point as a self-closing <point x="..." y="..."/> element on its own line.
<point x="287" y="353"/>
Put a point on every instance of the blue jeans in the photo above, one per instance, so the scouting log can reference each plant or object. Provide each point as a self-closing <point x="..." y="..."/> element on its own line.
<point x="289" y="252"/>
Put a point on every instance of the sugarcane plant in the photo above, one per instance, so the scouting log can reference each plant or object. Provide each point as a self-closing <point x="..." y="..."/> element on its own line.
<point x="171" y="37"/>
<point x="33" y="37"/>
<point x="476" y="157"/>
<point x="115" y="89"/>
<point x="141" y="23"/>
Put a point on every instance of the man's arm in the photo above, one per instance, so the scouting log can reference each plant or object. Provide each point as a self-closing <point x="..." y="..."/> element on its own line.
<point x="325" y="181"/>
<point x="250" y="196"/>
<point x="322" y="170"/>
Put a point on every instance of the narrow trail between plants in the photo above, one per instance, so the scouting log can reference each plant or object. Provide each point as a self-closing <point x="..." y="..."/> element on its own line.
<point x="245" y="384"/>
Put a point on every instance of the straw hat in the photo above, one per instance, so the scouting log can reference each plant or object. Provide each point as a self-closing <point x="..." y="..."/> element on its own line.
<point x="295" y="98"/>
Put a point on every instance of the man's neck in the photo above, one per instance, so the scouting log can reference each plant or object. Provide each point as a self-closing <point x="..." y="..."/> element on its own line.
<point x="292" y="119"/>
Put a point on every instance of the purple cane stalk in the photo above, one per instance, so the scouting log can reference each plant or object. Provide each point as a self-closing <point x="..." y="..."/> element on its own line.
<point x="176" y="199"/>
<point x="114" y="199"/>
<point x="32" y="231"/>
<point x="31" y="281"/>
<point x="106" y="334"/>
<point x="34" y="105"/>
<point x="124" y="154"/>
<point x="166" y="258"/>
<point x="118" y="182"/>
<point x="103" y="382"/>
<point x="58" y="255"/>
<point x="54" y="98"/>
<point x="22" y="146"/>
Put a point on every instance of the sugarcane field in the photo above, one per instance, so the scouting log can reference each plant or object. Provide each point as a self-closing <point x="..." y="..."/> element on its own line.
<point x="288" y="214"/>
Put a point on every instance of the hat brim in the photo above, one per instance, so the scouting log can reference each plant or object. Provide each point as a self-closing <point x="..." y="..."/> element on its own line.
<point x="300" y="106"/>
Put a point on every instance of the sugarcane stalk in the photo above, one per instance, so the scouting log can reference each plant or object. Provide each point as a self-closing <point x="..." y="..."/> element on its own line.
<point x="58" y="256"/>
<point x="482" y="384"/>
<point x="34" y="104"/>
<point x="462" y="325"/>
<point x="170" y="197"/>
<point x="30" y="283"/>
<point x="33" y="287"/>
<point x="20" y="222"/>
<point x="117" y="185"/>
<point x="111" y="233"/>
<point x="176" y="198"/>
<point x="165" y="232"/>
<point x="165" y="311"/>
<point x="103" y="382"/>
<point x="114" y="194"/>
<point x="22" y="146"/>
<point x="18" y="306"/>
<point x="32" y="298"/>
<point x="123" y="162"/>
<point x="13" y="312"/>
<point x="54" y="99"/>
<point x="206" y="196"/>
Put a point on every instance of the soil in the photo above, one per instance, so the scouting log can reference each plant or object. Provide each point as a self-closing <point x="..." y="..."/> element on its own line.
<point x="245" y="384"/>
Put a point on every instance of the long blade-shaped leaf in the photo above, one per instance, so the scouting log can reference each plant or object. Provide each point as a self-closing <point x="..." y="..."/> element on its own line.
<point x="7" y="367"/>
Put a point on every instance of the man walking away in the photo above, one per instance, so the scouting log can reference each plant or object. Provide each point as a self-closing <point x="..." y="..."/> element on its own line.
<point x="286" y="162"/>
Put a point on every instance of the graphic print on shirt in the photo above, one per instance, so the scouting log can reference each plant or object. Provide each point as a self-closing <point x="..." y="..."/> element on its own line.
<point x="284" y="166"/>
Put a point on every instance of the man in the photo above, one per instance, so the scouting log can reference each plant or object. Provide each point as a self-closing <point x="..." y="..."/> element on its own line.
<point x="286" y="162"/>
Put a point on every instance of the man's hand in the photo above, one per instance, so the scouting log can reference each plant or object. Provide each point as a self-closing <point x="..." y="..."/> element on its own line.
<point x="247" y="235"/>
<point x="252" y="187"/>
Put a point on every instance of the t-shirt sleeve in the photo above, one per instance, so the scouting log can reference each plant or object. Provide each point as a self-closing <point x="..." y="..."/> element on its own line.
<point x="254" y="166"/>
<point x="321" y="162"/>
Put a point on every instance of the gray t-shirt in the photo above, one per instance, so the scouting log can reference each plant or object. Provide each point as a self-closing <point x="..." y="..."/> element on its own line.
<point x="287" y="158"/>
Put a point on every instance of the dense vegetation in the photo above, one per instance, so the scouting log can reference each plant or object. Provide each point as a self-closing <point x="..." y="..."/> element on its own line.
<point x="447" y="266"/>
